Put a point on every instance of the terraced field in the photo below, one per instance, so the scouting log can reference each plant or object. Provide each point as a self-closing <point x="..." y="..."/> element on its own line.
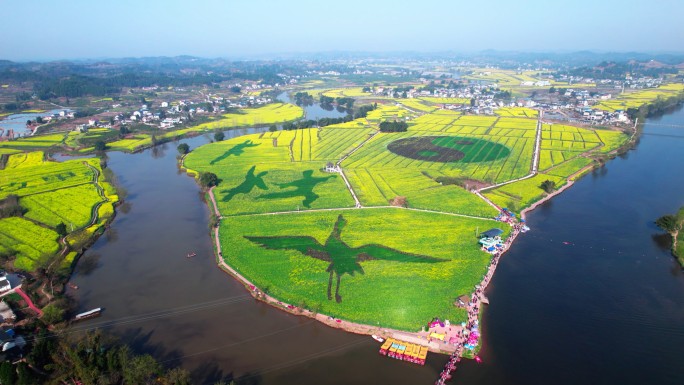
<point x="34" y="142"/>
<point x="50" y="193"/>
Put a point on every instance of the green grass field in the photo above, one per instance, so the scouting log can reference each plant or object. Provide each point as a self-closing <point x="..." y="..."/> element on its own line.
<point x="259" y="177"/>
<point x="400" y="294"/>
<point x="636" y="99"/>
<point x="397" y="267"/>
<point x="517" y="112"/>
<point x="29" y="242"/>
<point x="37" y="142"/>
<point x="275" y="113"/>
<point x="51" y="193"/>
<point x="262" y="116"/>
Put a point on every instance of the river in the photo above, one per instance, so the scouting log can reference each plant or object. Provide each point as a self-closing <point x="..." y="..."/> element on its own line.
<point x="606" y="308"/>
<point x="314" y="111"/>
<point x="17" y="122"/>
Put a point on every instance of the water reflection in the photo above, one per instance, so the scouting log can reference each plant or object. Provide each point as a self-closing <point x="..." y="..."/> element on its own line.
<point x="88" y="263"/>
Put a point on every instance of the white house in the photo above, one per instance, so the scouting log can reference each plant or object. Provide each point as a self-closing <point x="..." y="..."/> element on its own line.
<point x="4" y="284"/>
<point x="164" y="104"/>
<point x="6" y="313"/>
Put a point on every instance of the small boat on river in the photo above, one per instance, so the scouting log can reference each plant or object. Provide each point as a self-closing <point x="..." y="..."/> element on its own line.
<point x="190" y="255"/>
<point x="88" y="314"/>
<point x="378" y="338"/>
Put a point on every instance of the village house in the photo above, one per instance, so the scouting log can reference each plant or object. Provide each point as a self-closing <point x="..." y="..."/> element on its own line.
<point x="6" y="313"/>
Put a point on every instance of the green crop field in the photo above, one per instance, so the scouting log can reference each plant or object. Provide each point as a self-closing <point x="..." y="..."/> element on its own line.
<point x="50" y="208"/>
<point x="345" y="92"/>
<point x="35" y="142"/>
<point x="636" y="99"/>
<point x="25" y="159"/>
<point x="259" y="177"/>
<point x="293" y="230"/>
<point x="560" y="157"/>
<point x="378" y="187"/>
<point x="386" y="112"/>
<point x="518" y="112"/>
<point x="50" y="193"/>
<point x="509" y="156"/>
<point x="29" y="242"/>
<point x="262" y="116"/>
<point x="416" y="105"/>
<point x="440" y="263"/>
<point x="562" y="143"/>
<point x="522" y="193"/>
<point x="445" y="100"/>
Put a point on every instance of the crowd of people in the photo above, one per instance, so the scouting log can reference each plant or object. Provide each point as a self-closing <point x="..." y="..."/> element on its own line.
<point x="468" y="338"/>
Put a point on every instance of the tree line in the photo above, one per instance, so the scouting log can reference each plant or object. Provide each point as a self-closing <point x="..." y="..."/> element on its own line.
<point x="361" y="112"/>
<point x="655" y="107"/>
<point x="389" y="126"/>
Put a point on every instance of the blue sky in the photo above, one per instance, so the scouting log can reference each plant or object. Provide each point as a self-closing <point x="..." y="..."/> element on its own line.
<point x="74" y="29"/>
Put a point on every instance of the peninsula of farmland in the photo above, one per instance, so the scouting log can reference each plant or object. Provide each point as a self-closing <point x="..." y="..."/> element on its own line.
<point x="381" y="229"/>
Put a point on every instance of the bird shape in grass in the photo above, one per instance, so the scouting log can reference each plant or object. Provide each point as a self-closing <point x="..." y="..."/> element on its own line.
<point x="251" y="181"/>
<point x="236" y="150"/>
<point x="343" y="258"/>
<point x="302" y="187"/>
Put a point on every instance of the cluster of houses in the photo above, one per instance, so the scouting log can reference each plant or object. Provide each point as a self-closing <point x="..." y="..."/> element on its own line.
<point x="474" y="90"/>
<point x="628" y="82"/>
<point x="169" y="115"/>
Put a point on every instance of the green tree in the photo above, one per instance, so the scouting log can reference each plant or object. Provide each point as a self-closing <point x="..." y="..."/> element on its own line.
<point x="100" y="145"/>
<point x="548" y="186"/>
<point x="141" y="370"/>
<point x="669" y="223"/>
<point x="25" y="375"/>
<point x="52" y="314"/>
<point x="208" y="179"/>
<point x="219" y="136"/>
<point x="273" y="128"/>
<point x="183" y="148"/>
<point x="176" y="376"/>
<point x="61" y="229"/>
<point x="8" y="373"/>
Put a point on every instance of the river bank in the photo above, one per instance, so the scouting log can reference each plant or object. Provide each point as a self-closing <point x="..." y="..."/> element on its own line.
<point x="605" y="299"/>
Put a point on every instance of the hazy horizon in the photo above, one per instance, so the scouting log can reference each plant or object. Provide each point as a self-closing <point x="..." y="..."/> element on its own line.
<point x="44" y="30"/>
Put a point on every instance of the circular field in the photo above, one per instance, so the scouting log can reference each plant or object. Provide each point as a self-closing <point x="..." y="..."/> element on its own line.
<point x="446" y="149"/>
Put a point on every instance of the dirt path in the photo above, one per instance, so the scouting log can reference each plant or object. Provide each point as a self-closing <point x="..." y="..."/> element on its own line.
<point x="533" y="167"/>
<point x="346" y="181"/>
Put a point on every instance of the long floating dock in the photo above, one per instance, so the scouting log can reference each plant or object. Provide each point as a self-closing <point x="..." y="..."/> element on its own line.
<point x="404" y="351"/>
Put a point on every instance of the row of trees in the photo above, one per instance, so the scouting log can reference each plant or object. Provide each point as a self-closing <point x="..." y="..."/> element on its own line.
<point x="303" y="99"/>
<point x="87" y="359"/>
<point x="655" y="107"/>
<point x="361" y="112"/>
<point x="345" y="102"/>
<point x="389" y="126"/>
